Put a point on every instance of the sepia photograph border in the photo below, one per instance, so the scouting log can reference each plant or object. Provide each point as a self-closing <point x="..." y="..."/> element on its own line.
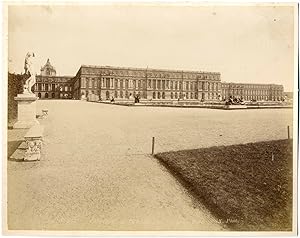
<point x="6" y="231"/>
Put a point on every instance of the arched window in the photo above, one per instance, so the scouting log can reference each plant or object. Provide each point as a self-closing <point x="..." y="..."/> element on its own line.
<point x="171" y="94"/>
<point x="39" y="95"/>
<point x="53" y="95"/>
<point x="153" y="95"/>
<point x="163" y="95"/>
<point x="46" y="95"/>
<point x="158" y="95"/>
<point x="107" y="95"/>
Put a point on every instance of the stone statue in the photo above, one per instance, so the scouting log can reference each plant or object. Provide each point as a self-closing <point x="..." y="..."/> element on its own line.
<point x="29" y="70"/>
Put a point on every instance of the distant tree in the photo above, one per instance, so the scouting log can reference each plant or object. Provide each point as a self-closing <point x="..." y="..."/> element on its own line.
<point x="14" y="86"/>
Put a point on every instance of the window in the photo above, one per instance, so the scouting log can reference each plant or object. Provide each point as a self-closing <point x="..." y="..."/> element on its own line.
<point x="116" y="83"/>
<point x="121" y="94"/>
<point x="126" y="94"/>
<point x="46" y="87"/>
<point x="121" y="83"/>
<point x="126" y="84"/>
<point x="158" y="95"/>
<point x="46" y="95"/>
<point x="53" y="95"/>
<point x="107" y="95"/>
<point x="176" y="95"/>
<point x="107" y="83"/>
<point x="154" y="84"/>
<point x="139" y="83"/>
<point x="163" y="95"/>
<point x="87" y="83"/>
<point x="171" y="95"/>
<point x="53" y="87"/>
<point x="153" y="95"/>
<point x="116" y="94"/>
<point x="134" y="84"/>
<point x="40" y="87"/>
<point x="93" y="83"/>
<point x="149" y="83"/>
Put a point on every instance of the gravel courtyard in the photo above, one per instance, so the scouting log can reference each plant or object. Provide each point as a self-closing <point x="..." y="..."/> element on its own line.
<point x="96" y="172"/>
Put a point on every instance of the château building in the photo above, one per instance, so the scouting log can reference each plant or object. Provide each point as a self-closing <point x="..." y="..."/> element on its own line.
<point x="105" y="82"/>
<point x="48" y="85"/>
<point x="247" y="91"/>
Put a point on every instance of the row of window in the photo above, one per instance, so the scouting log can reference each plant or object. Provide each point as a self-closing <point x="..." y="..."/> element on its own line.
<point x="51" y="87"/>
<point x="52" y="95"/>
<point x="156" y="84"/>
<point x="251" y="92"/>
<point x="158" y="95"/>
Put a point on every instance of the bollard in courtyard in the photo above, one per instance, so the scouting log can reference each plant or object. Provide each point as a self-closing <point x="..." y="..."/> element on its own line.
<point x="288" y="130"/>
<point x="153" y="141"/>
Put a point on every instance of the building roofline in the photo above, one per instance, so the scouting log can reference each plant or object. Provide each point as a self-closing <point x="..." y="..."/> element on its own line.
<point x="256" y="84"/>
<point x="55" y="76"/>
<point x="134" y="68"/>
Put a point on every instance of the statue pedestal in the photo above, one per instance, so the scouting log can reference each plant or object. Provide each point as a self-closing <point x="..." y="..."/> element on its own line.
<point x="26" y="111"/>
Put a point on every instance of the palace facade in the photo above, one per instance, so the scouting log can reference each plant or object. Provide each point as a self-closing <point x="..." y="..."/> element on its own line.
<point x="257" y="92"/>
<point x="50" y="86"/>
<point x="106" y="82"/>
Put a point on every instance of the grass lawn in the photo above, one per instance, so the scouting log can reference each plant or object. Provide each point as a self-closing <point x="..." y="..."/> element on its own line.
<point x="246" y="187"/>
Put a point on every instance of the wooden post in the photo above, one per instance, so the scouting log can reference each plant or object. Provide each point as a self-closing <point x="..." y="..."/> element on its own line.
<point x="288" y="129"/>
<point x="153" y="140"/>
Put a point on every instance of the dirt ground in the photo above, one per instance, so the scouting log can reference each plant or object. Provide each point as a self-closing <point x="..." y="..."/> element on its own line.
<point x="96" y="172"/>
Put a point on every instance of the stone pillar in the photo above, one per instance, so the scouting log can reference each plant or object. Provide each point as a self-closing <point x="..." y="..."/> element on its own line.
<point x="26" y="111"/>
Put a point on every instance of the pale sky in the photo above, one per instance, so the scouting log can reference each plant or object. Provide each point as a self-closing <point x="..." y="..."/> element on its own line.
<point x="245" y="44"/>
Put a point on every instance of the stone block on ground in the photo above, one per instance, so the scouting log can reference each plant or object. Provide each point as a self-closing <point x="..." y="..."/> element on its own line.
<point x="33" y="140"/>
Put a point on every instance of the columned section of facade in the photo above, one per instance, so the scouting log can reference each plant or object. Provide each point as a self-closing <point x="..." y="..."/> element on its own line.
<point x="152" y="84"/>
<point x="50" y="86"/>
<point x="252" y="92"/>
